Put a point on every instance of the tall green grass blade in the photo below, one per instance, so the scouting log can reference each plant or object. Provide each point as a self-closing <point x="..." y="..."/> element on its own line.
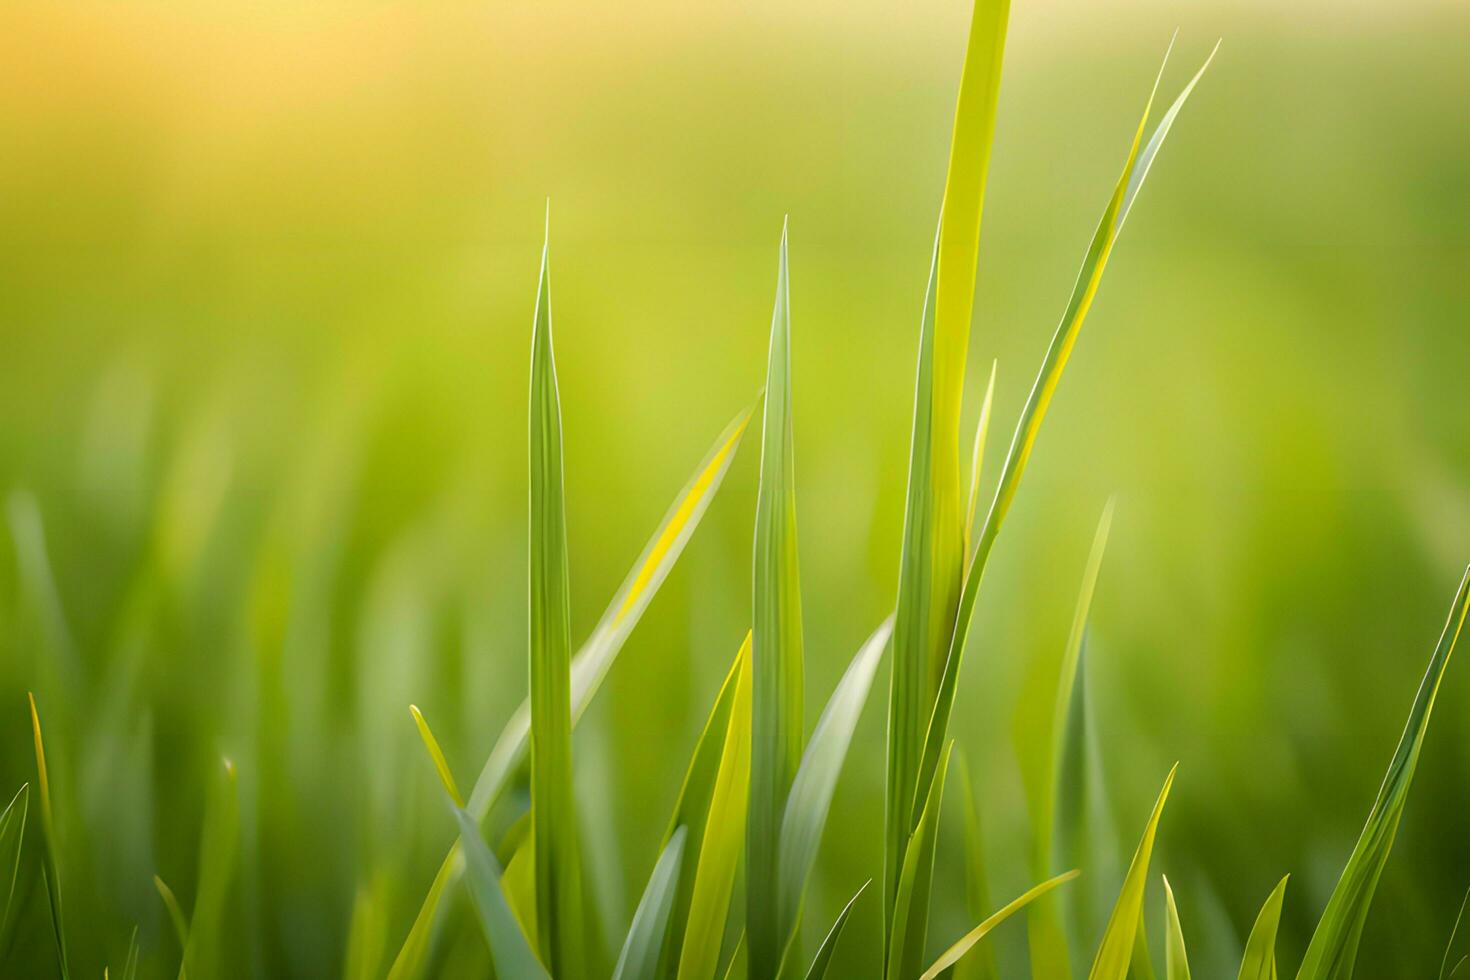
<point x="823" y="960"/>
<point x="932" y="560"/>
<point x="50" y="873"/>
<point x="980" y="966"/>
<point x="1119" y="938"/>
<point x="977" y="459"/>
<point x="1259" y="961"/>
<point x="776" y="651"/>
<point x="366" y="934"/>
<point x="1029" y="424"/>
<point x="811" y="793"/>
<point x="219" y="845"/>
<point x="645" y="942"/>
<point x="12" y="835"/>
<point x="553" y="808"/>
<point x="1176" y="958"/>
<point x="909" y="930"/>
<point x="953" y="955"/>
<point x="1446" y="971"/>
<point x="1141" y="967"/>
<point x="722" y="839"/>
<point x="1334" y="946"/>
<point x="509" y="949"/>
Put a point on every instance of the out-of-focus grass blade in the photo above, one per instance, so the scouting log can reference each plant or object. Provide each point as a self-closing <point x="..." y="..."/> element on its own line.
<point x="509" y="948"/>
<point x="553" y="808"/>
<point x="776" y="650"/>
<point x="1046" y="936"/>
<point x="130" y="962"/>
<point x="1176" y="959"/>
<point x="953" y="955"/>
<point x="436" y="755"/>
<point x="1334" y="946"/>
<point x="1446" y="971"/>
<point x="977" y="460"/>
<point x="1259" y="961"/>
<point x="49" y="870"/>
<point x="12" y="834"/>
<point x="723" y="837"/>
<point x="366" y="933"/>
<point x="1141" y="967"/>
<point x="823" y="959"/>
<point x="219" y="844"/>
<point x="645" y="942"/>
<point x="1034" y="411"/>
<point x="811" y="793"/>
<point x="1116" y="950"/>
<point x="589" y="668"/>
<point x="175" y="912"/>
<point x="982" y="965"/>
<point x="909" y="930"/>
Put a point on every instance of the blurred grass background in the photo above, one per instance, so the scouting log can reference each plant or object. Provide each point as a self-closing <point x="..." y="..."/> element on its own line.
<point x="266" y="281"/>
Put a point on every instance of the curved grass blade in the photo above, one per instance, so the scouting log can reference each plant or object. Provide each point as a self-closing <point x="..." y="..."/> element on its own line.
<point x="509" y="949"/>
<point x="645" y="942"/>
<point x="175" y="912"/>
<point x="977" y="459"/>
<point x="1259" y="961"/>
<point x="436" y="755"/>
<point x="776" y="651"/>
<point x="12" y="835"/>
<point x="953" y="955"/>
<point x="1447" y="972"/>
<point x="1334" y="946"/>
<point x="1176" y="959"/>
<point x="50" y="873"/>
<point x="811" y="793"/>
<point x="823" y="960"/>
<point x="909" y="930"/>
<point x="1029" y="424"/>
<point x="219" y="844"/>
<point x="1117" y="947"/>
<point x="723" y="837"/>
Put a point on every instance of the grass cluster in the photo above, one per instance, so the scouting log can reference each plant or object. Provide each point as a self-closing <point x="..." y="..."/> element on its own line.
<point x="725" y="894"/>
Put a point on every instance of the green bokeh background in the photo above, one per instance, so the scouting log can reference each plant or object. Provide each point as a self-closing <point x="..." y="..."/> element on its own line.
<point x="266" y="282"/>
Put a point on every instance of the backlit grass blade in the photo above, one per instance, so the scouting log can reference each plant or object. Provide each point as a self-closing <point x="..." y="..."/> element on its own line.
<point x="553" y="808"/>
<point x="1047" y="938"/>
<point x="1259" y="961"/>
<point x="776" y="650"/>
<point x="977" y="459"/>
<point x="219" y="845"/>
<point x="1029" y="424"/>
<point x="509" y="948"/>
<point x="436" y="755"/>
<point x="1176" y="959"/>
<point x="909" y="930"/>
<point x="1334" y="946"/>
<point x="1116" y="950"/>
<point x="49" y="870"/>
<point x="722" y="839"/>
<point x="980" y="966"/>
<point x="1450" y="964"/>
<point x="12" y="834"/>
<point x="823" y="960"/>
<point x="645" y="942"/>
<point x="175" y="912"/>
<point x="953" y="955"/>
<point x="811" y="793"/>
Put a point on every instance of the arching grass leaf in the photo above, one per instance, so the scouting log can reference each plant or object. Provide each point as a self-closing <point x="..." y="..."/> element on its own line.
<point x="966" y="942"/>
<point x="1116" y="950"/>
<point x="823" y="959"/>
<point x="49" y="869"/>
<point x="645" y="942"/>
<point x="1259" y="961"/>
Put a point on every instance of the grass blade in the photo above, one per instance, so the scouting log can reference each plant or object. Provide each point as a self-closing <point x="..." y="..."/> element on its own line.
<point x="909" y="930"/>
<point x="776" y="651"/>
<point x="49" y="870"/>
<point x="12" y="835"/>
<point x="1446" y="972"/>
<point x="811" y="793"/>
<point x="175" y="912"/>
<point x="952" y="955"/>
<point x="1176" y="959"/>
<point x="645" y="942"/>
<point x="1259" y="961"/>
<point x="219" y="844"/>
<point x="823" y="960"/>
<point x="1116" y="950"/>
<point x="1334" y="946"/>
<point x="509" y="948"/>
<point x="553" y="808"/>
<point x="982" y="965"/>
<point x="436" y="755"/>
<point x="977" y="459"/>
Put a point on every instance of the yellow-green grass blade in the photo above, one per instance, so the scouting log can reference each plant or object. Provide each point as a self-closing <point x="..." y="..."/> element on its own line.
<point x="1259" y="961"/>
<point x="776" y="649"/>
<point x="1050" y="959"/>
<point x="909" y="930"/>
<point x="1451" y="955"/>
<point x="639" y="959"/>
<point x="977" y="459"/>
<point x="553" y="807"/>
<point x="932" y="561"/>
<point x="436" y="755"/>
<point x="1141" y="967"/>
<point x="175" y="912"/>
<point x="823" y="960"/>
<point x="509" y="949"/>
<point x="49" y="871"/>
<point x="953" y="955"/>
<point x="366" y="934"/>
<point x="12" y="834"/>
<point x="982" y="965"/>
<point x="1140" y="160"/>
<point x="1176" y="958"/>
<point x="589" y="669"/>
<point x="1116" y="950"/>
<point x="722" y="840"/>
<point x="810" y="800"/>
<point x="1334" y="946"/>
<point x="219" y="845"/>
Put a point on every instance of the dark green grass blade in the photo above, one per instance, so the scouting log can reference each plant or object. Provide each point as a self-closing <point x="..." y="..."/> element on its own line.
<point x="49" y="870"/>
<point x="553" y="813"/>
<point x="1450" y="965"/>
<point x="1334" y="946"/>
<point x="953" y="955"/>
<point x="511" y="952"/>
<point x="776" y="647"/>
<point x="12" y="835"/>
<point x="644" y="945"/>
<point x="1259" y="961"/>
<point x="1116" y="950"/>
<point x="204" y="952"/>
<point x="1176" y="958"/>
<point x="823" y="959"/>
